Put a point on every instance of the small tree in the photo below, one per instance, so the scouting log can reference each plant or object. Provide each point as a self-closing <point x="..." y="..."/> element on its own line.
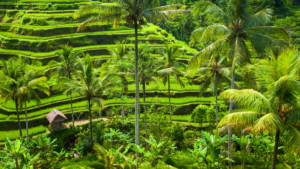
<point x="199" y="114"/>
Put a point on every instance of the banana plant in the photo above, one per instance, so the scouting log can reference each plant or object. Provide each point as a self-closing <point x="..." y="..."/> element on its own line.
<point x="111" y="135"/>
<point x="125" y="138"/>
<point x="158" y="149"/>
<point x="105" y="155"/>
<point x="30" y="161"/>
<point x="207" y="149"/>
<point x="44" y="144"/>
<point x="245" y="143"/>
<point x="129" y="160"/>
<point x="15" y="150"/>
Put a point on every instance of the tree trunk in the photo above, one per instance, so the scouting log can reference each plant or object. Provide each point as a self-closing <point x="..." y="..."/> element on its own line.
<point x="71" y="102"/>
<point x="122" y="107"/>
<point x="145" y="115"/>
<point x="26" y="121"/>
<point x="19" y="123"/>
<point x="216" y="90"/>
<point x="137" y="124"/>
<point x="169" y="98"/>
<point x="16" y="158"/>
<point x="275" y="149"/>
<point x="91" y="128"/>
<point x="229" y="129"/>
<point x="72" y="110"/>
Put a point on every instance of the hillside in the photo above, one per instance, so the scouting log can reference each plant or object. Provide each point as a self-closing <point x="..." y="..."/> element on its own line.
<point x="36" y="29"/>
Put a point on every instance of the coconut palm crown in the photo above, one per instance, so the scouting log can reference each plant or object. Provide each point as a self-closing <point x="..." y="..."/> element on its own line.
<point x="240" y="24"/>
<point x="275" y="106"/>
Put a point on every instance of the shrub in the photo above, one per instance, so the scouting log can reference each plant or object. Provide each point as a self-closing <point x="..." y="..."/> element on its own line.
<point x="177" y="133"/>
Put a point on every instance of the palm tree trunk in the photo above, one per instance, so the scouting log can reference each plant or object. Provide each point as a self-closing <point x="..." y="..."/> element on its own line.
<point x="26" y="121"/>
<point x="71" y="102"/>
<point x="169" y="98"/>
<point x="229" y="129"/>
<point x="122" y="107"/>
<point x="216" y="90"/>
<point x="91" y="128"/>
<point x="276" y="149"/>
<point x="145" y="117"/>
<point x="72" y="110"/>
<point x="216" y="111"/>
<point x="19" y="123"/>
<point x="137" y="99"/>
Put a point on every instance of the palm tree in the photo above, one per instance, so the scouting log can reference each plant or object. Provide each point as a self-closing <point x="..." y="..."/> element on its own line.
<point x="10" y="82"/>
<point x="119" y="53"/>
<point x="240" y="24"/>
<point x="171" y="68"/>
<point x="274" y="107"/>
<point x="88" y="84"/>
<point x="65" y="67"/>
<point x="147" y="74"/>
<point x="213" y="76"/>
<point x="28" y="89"/>
<point x="133" y="12"/>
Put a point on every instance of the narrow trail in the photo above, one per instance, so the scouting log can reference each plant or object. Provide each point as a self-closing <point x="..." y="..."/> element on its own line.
<point x="84" y="121"/>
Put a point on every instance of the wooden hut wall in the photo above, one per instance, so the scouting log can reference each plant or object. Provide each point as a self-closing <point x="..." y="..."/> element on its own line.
<point x="58" y="119"/>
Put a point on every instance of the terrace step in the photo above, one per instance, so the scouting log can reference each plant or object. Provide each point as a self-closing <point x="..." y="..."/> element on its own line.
<point x="43" y="44"/>
<point x="8" y="111"/>
<point x="45" y="57"/>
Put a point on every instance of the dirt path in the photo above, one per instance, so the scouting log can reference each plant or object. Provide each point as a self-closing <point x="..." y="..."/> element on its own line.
<point x="83" y="121"/>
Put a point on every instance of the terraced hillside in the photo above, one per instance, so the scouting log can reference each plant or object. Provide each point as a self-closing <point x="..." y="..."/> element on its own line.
<point x="36" y="29"/>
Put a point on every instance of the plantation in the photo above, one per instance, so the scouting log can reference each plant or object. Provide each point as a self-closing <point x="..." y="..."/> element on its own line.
<point x="210" y="84"/>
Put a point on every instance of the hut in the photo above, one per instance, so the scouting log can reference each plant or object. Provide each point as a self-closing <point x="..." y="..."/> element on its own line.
<point x="56" y="118"/>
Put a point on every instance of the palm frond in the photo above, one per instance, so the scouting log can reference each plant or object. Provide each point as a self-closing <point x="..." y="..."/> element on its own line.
<point x="214" y="31"/>
<point x="270" y="122"/>
<point x="97" y="9"/>
<point x="293" y="138"/>
<point x="249" y="98"/>
<point x="260" y="42"/>
<point x="101" y="20"/>
<point x="202" y="56"/>
<point x="247" y="117"/>
<point x="262" y="17"/>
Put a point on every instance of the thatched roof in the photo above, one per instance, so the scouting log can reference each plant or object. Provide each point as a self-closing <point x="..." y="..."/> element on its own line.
<point x="54" y="114"/>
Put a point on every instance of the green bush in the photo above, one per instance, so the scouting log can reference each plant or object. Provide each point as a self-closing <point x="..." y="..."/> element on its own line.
<point x="87" y="162"/>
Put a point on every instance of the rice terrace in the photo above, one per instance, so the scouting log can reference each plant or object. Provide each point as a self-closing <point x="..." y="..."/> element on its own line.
<point x="149" y="84"/>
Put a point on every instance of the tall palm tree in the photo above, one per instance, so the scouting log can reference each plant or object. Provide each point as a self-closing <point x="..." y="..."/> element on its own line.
<point x="240" y="24"/>
<point x="119" y="54"/>
<point x="274" y="107"/>
<point x="147" y="74"/>
<point x="10" y="82"/>
<point x="28" y="89"/>
<point x="88" y="84"/>
<point x="171" y="68"/>
<point x="66" y="67"/>
<point x="133" y="12"/>
<point x="213" y="76"/>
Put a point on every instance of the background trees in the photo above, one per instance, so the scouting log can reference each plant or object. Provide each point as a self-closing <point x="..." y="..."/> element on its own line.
<point x="66" y="67"/>
<point x="240" y="24"/>
<point x="212" y="77"/>
<point x="11" y="78"/>
<point x="171" y="68"/>
<point x="133" y="12"/>
<point x="89" y="85"/>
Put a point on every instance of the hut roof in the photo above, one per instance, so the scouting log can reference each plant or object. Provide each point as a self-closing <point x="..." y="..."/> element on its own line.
<point x="53" y="114"/>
